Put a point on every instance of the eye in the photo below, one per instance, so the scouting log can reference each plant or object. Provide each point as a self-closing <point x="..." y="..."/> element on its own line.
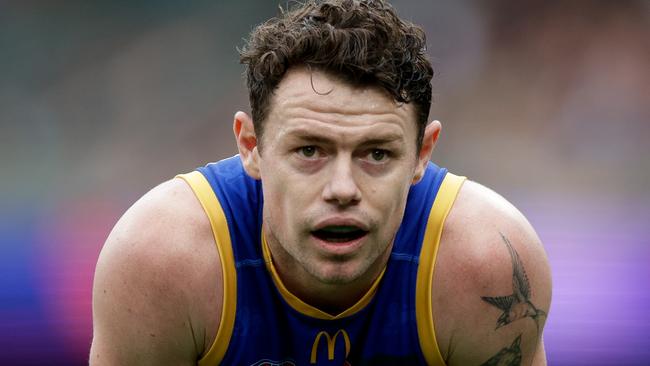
<point x="307" y="151"/>
<point x="378" y="155"/>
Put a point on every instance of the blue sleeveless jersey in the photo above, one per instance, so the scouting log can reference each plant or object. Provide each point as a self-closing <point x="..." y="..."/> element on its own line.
<point x="263" y="324"/>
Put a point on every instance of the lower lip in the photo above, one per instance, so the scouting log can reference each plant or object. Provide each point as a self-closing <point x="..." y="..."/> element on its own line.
<point x="340" y="248"/>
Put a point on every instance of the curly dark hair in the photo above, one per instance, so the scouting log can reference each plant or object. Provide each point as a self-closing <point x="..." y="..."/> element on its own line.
<point x="362" y="41"/>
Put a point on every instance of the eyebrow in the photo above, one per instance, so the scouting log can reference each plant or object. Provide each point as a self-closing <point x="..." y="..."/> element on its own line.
<point x="303" y="136"/>
<point x="308" y="136"/>
<point x="382" y="140"/>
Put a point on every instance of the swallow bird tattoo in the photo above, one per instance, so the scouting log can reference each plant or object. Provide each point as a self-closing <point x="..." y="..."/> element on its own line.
<point x="508" y="356"/>
<point x="516" y="306"/>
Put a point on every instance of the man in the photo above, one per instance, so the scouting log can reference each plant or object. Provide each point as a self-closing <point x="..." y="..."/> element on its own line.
<point x="317" y="244"/>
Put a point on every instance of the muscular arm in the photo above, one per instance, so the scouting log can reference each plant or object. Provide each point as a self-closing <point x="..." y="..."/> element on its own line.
<point x="494" y="285"/>
<point x="155" y="275"/>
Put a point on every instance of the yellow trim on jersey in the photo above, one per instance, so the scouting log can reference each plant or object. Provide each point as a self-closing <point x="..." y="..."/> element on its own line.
<point x="212" y="208"/>
<point x="423" y="302"/>
<point x="305" y="308"/>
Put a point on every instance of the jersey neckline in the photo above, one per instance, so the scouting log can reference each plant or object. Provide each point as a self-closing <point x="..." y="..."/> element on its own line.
<point x="302" y="307"/>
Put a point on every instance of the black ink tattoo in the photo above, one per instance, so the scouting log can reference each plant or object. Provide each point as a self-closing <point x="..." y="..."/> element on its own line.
<point x="516" y="306"/>
<point x="508" y="356"/>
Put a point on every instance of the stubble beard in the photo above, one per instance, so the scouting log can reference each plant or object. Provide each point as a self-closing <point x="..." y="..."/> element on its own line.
<point x="311" y="264"/>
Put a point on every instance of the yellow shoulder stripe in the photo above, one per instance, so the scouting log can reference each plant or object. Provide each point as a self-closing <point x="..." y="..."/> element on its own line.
<point x="212" y="208"/>
<point x="423" y="301"/>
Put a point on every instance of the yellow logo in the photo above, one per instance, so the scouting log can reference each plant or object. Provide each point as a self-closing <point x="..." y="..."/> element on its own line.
<point x="331" y="344"/>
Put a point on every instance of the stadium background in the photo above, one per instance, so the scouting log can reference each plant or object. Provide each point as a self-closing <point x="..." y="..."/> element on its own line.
<point x="547" y="102"/>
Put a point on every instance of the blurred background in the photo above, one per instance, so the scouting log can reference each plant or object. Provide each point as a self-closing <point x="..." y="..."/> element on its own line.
<point x="547" y="102"/>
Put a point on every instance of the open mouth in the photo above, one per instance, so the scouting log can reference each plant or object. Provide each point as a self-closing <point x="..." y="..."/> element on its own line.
<point x="339" y="234"/>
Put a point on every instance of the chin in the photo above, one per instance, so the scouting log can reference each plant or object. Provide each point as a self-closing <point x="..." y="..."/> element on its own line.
<point x="335" y="275"/>
<point x="338" y="280"/>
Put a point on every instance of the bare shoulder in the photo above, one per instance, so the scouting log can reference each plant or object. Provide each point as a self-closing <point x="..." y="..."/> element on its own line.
<point x="156" y="276"/>
<point x="492" y="285"/>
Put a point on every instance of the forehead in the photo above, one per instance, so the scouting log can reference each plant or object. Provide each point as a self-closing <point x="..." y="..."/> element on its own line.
<point x="310" y="96"/>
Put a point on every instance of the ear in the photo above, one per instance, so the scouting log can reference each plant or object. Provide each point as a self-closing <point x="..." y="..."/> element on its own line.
<point x="431" y="133"/>
<point x="247" y="143"/>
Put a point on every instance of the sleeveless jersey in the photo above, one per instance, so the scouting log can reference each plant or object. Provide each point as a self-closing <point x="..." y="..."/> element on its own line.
<point x="262" y="323"/>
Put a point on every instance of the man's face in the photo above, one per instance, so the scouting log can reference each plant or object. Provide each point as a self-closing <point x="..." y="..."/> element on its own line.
<point x="336" y="164"/>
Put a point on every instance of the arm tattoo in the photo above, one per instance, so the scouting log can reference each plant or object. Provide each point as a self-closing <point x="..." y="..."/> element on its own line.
<point x="516" y="306"/>
<point x="508" y="356"/>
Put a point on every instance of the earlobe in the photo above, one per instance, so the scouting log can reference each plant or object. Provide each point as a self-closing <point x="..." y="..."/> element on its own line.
<point x="431" y="133"/>
<point x="247" y="143"/>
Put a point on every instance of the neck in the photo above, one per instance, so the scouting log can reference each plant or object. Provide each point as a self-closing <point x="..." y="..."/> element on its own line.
<point x="331" y="298"/>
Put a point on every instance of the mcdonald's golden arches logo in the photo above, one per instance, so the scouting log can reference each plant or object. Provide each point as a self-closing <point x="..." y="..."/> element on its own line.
<point x="331" y="344"/>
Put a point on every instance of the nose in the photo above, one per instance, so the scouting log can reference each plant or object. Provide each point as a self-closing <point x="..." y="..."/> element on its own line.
<point x="341" y="188"/>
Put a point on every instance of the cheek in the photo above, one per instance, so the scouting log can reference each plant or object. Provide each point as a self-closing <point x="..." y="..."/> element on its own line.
<point x="388" y="198"/>
<point x="283" y="199"/>
<point x="275" y="204"/>
<point x="389" y="195"/>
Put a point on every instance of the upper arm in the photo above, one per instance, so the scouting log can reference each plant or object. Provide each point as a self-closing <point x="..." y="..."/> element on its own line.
<point x="493" y="282"/>
<point x="146" y="279"/>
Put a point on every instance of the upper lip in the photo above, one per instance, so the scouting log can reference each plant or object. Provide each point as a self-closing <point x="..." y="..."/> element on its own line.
<point x="341" y="221"/>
